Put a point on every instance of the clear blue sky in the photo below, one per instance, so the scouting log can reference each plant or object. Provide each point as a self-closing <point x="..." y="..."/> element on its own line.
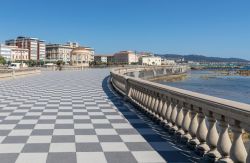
<point x="208" y="27"/>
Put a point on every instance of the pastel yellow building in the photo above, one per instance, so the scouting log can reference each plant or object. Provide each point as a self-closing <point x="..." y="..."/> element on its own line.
<point x="81" y="56"/>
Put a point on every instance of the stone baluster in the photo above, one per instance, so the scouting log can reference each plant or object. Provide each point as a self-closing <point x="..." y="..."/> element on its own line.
<point x="202" y="130"/>
<point x="152" y="104"/>
<point x="224" y="142"/>
<point x="153" y="101"/>
<point x="248" y="156"/>
<point x="212" y="138"/>
<point x="179" y="120"/>
<point x="186" y="123"/>
<point x="173" y="117"/>
<point x="145" y="100"/>
<point x="159" y="108"/>
<point x="141" y="97"/>
<point x="155" y="107"/>
<point x="247" y="128"/>
<point x="193" y="129"/>
<point x="138" y="97"/>
<point x="164" y="112"/>
<point x="144" y="97"/>
<point x="149" y="101"/>
<point x="168" y="123"/>
<point x="238" y="151"/>
<point x="164" y="109"/>
<point x="135" y="92"/>
<point x="132" y="93"/>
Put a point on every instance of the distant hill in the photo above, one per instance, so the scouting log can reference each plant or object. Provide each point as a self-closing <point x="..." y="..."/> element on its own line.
<point x="201" y="58"/>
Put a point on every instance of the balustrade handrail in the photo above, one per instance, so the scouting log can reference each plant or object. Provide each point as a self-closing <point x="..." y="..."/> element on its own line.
<point x="6" y="70"/>
<point x="185" y="112"/>
<point x="194" y="95"/>
<point x="183" y="92"/>
<point x="12" y="73"/>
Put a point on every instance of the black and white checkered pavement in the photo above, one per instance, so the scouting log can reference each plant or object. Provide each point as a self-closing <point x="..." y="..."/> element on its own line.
<point x="73" y="116"/>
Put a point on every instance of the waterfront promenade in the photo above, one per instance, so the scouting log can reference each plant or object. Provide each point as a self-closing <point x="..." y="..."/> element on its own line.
<point x="75" y="116"/>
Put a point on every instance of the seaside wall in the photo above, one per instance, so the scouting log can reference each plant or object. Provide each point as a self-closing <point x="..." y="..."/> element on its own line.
<point x="153" y="72"/>
<point x="203" y="123"/>
<point x="7" y="73"/>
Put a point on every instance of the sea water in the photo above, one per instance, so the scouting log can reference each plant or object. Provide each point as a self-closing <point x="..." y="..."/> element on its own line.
<point x="231" y="87"/>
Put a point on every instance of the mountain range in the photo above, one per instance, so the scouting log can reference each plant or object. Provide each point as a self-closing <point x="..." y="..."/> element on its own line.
<point x="201" y="58"/>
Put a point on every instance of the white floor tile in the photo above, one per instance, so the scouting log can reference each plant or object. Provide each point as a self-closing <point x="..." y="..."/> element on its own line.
<point x="32" y="158"/>
<point x="91" y="157"/>
<point x="19" y="132"/>
<point x="62" y="147"/>
<point x="121" y="125"/>
<point x="114" y="147"/>
<point x="63" y="132"/>
<point x="148" y="157"/>
<point x="106" y="132"/>
<point x="99" y="121"/>
<point x="11" y="148"/>
<point x="44" y="126"/>
<point x="83" y="126"/>
<point x="132" y="138"/>
<point x="86" y="138"/>
<point x="39" y="139"/>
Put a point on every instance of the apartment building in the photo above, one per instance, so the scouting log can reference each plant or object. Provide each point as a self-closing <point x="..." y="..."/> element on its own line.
<point x="14" y="53"/>
<point x="41" y="50"/>
<point x="55" y="52"/>
<point x="19" y="54"/>
<point x="125" y="57"/>
<point x="5" y="52"/>
<point x="165" y="61"/>
<point x="150" y="61"/>
<point x="36" y="47"/>
<point x="102" y="58"/>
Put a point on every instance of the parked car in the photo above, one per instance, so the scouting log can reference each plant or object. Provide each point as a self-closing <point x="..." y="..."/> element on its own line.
<point x="17" y="66"/>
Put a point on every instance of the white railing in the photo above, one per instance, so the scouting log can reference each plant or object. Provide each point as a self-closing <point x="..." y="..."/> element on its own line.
<point x="64" y="67"/>
<point x="12" y="73"/>
<point x="203" y="122"/>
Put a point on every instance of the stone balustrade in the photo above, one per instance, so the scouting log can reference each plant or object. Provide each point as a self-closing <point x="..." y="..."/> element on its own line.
<point x="9" y="73"/>
<point x="211" y="126"/>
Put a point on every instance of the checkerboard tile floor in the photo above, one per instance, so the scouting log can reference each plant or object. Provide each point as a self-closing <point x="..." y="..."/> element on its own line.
<point x="69" y="117"/>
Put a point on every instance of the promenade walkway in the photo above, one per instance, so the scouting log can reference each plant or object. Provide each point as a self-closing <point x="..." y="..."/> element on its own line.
<point x="74" y="116"/>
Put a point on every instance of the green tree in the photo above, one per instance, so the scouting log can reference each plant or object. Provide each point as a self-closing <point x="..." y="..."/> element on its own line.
<point x="2" y="60"/>
<point x="31" y="63"/>
<point x="59" y="64"/>
<point x="42" y="62"/>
